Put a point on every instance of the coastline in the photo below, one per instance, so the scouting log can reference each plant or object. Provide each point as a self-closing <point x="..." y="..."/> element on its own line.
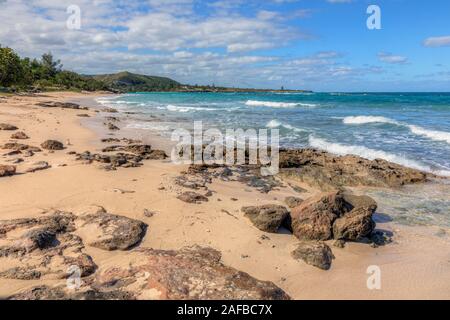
<point x="414" y="266"/>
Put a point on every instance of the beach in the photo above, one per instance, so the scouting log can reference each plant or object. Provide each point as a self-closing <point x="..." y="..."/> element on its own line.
<point x="415" y="265"/>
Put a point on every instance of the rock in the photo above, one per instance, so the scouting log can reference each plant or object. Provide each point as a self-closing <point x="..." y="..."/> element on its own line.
<point x="112" y="232"/>
<point x="63" y="105"/>
<point x="83" y="115"/>
<point x="157" y="155"/>
<point x="266" y="218"/>
<point x="19" y="135"/>
<point x="52" y="145"/>
<point x="293" y="202"/>
<point x="192" y="197"/>
<point x="339" y="244"/>
<point x="360" y="202"/>
<point x="354" y="225"/>
<point x="314" y="218"/>
<point x="110" y="110"/>
<point x="37" y="166"/>
<point x="9" y="127"/>
<point x="191" y="273"/>
<point x="329" y="172"/>
<point x="7" y="170"/>
<point x="39" y="239"/>
<point x="112" y="126"/>
<point x="314" y="253"/>
<point x="20" y="147"/>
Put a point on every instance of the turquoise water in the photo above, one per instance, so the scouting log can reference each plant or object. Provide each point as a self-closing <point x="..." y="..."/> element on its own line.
<point x="412" y="129"/>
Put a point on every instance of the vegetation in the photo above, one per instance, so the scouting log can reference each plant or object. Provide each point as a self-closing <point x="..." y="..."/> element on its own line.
<point x="131" y="82"/>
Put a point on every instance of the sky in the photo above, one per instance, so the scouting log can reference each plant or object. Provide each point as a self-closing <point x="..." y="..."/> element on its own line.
<point x="319" y="45"/>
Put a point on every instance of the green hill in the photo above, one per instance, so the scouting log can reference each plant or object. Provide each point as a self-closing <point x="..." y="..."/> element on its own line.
<point x="131" y="82"/>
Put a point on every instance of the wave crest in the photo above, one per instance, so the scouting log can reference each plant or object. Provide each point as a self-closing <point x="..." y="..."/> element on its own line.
<point x="274" y="104"/>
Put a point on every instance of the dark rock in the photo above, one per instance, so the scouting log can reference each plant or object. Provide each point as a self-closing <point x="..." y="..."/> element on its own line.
<point x="112" y="126"/>
<point x="317" y="254"/>
<point x="19" y="135"/>
<point x="52" y="145"/>
<point x="7" y="170"/>
<point x="355" y="225"/>
<point x="339" y="244"/>
<point x="293" y="202"/>
<point x="62" y="105"/>
<point x="9" y="127"/>
<point x="314" y="218"/>
<point x="39" y="239"/>
<point x="112" y="232"/>
<point x="83" y="115"/>
<point x="20" y="147"/>
<point x="267" y="218"/>
<point x="192" y="197"/>
<point x="110" y="110"/>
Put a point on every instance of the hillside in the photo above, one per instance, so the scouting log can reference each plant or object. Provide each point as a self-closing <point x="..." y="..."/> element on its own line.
<point x="131" y="82"/>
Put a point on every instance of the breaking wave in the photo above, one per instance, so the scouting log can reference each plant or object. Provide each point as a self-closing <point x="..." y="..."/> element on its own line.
<point x="273" y="104"/>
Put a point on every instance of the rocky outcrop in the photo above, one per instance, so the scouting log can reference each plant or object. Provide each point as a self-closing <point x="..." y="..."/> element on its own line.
<point x="314" y="253"/>
<point x="19" y="135"/>
<point x="52" y="145"/>
<point x="192" y="197"/>
<point x="334" y="215"/>
<point x="42" y="248"/>
<point x="191" y="273"/>
<point x="8" y="127"/>
<point x="7" y="170"/>
<point x="330" y="172"/>
<point x="111" y="126"/>
<point x="267" y="218"/>
<point x="111" y="232"/>
<point x="62" y="105"/>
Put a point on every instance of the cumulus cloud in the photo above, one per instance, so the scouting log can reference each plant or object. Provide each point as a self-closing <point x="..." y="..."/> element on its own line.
<point x="437" y="41"/>
<point x="392" y="59"/>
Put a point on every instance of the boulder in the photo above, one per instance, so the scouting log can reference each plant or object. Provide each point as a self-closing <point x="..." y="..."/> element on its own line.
<point x="19" y="135"/>
<point x="192" y="197"/>
<point x="313" y="219"/>
<point x="293" y="202"/>
<point x="355" y="225"/>
<point x="6" y="126"/>
<point x="7" y="170"/>
<point x="267" y="218"/>
<point x="111" y="232"/>
<point x="20" y="147"/>
<point x="52" y="145"/>
<point x="317" y="254"/>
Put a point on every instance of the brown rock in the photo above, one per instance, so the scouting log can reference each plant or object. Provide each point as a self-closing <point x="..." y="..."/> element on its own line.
<point x="313" y="219"/>
<point x="317" y="254"/>
<point x="52" y="145"/>
<point x="112" y="232"/>
<point x="354" y="225"/>
<point x="20" y="147"/>
<point x="267" y="218"/>
<point x="7" y="170"/>
<point x="192" y="197"/>
<point x="19" y="135"/>
<point x="6" y="126"/>
<point x="38" y="166"/>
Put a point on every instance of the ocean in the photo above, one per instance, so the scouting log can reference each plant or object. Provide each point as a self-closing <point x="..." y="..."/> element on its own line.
<point x="411" y="129"/>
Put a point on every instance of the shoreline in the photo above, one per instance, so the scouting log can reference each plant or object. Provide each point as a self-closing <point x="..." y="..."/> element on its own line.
<point x="414" y="266"/>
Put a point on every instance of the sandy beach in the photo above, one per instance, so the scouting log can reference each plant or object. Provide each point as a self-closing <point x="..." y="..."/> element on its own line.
<point x="415" y="265"/>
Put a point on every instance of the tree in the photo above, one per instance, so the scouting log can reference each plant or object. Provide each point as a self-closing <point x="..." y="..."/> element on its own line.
<point x="11" y="69"/>
<point x="50" y="67"/>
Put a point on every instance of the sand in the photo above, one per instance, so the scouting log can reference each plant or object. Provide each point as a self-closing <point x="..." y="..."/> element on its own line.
<point x="415" y="266"/>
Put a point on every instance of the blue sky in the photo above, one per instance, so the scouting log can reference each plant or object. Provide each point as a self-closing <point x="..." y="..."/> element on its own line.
<point x="321" y="45"/>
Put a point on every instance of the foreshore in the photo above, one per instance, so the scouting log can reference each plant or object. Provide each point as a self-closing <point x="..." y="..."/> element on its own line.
<point x="414" y="265"/>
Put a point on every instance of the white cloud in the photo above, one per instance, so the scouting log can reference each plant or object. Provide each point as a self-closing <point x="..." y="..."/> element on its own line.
<point x="437" y="41"/>
<point x="392" y="59"/>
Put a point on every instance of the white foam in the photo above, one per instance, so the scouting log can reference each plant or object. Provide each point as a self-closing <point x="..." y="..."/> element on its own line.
<point x="174" y="108"/>
<point x="273" y="104"/>
<point x="367" y="119"/>
<point x="431" y="134"/>
<point x="276" y="124"/>
<point x="364" y="152"/>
